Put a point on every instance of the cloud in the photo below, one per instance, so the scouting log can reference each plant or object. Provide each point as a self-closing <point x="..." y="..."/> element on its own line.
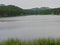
<point x="32" y="3"/>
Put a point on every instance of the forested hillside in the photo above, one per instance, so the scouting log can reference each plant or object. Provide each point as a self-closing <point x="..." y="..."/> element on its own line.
<point x="11" y="10"/>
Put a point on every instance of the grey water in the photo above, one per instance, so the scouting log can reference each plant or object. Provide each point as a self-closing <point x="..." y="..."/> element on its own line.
<point x="30" y="27"/>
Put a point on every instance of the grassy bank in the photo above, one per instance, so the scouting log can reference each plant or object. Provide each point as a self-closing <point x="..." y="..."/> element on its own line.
<point x="31" y="42"/>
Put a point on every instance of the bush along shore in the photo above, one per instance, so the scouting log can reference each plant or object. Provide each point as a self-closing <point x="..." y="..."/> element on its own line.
<point x="48" y="41"/>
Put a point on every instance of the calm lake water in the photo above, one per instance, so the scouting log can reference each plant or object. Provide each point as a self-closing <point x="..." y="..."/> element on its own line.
<point x="30" y="27"/>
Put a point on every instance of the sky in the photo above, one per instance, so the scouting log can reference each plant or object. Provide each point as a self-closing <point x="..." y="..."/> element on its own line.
<point x="27" y="4"/>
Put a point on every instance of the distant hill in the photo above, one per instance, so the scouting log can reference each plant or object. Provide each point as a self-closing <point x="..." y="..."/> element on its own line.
<point x="42" y="11"/>
<point x="12" y="10"/>
<point x="42" y="8"/>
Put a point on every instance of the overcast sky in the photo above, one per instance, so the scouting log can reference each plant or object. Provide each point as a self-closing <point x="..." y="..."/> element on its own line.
<point x="32" y="3"/>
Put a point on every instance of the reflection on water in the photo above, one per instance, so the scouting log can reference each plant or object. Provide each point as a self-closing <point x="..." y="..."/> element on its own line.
<point x="30" y="27"/>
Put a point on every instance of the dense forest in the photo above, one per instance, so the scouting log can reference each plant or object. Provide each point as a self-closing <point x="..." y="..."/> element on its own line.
<point x="12" y="10"/>
<point x="43" y="11"/>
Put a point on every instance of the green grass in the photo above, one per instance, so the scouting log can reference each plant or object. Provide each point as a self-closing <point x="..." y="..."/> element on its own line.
<point x="31" y="42"/>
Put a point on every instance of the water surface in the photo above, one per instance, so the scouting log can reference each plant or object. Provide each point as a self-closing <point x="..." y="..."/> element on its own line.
<point x="30" y="27"/>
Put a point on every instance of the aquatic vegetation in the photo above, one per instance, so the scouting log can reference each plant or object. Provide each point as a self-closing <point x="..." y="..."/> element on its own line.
<point x="31" y="42"/>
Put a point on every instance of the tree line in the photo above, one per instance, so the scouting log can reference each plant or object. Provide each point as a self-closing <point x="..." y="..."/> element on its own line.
<point x="54" y="11"/>
<point x="12" y="10"/>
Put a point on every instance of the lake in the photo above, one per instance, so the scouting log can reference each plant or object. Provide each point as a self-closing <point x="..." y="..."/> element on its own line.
<point x="30" y="27"/>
